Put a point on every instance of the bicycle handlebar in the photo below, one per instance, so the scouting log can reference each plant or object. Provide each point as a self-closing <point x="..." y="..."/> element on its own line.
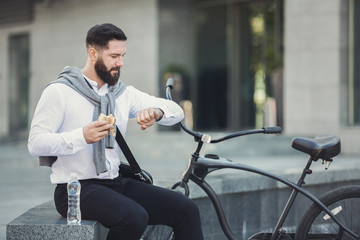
<point x="272" y="130"/>
<point x="169" y="86"/>
<point x="265" y="130"/>
<point x="199" y="136"/>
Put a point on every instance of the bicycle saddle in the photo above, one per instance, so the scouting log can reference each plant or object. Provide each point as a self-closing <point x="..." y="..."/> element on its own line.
<point x="321" y="147"/>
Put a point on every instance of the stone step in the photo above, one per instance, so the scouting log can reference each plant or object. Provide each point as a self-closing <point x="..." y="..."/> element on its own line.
<point x="44" y="222"/>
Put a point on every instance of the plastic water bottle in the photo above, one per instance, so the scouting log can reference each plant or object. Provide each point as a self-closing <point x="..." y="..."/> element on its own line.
<point x="73" y="188"/>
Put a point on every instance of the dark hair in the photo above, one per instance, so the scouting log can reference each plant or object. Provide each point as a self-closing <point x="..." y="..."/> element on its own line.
<point x="100" y="35"/>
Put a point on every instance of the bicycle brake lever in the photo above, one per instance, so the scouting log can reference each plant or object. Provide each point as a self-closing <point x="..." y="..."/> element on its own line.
<point x="206" y="138"/>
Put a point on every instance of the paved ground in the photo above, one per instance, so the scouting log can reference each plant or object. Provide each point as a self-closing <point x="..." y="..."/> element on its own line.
<point x="24" y="185"/>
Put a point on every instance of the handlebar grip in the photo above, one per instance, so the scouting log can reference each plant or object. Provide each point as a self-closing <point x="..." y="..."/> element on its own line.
<point x="272" y="130"/>
<point x="170" y="83"/>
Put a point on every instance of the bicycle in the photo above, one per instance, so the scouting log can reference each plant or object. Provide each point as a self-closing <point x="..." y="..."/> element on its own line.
<point x="329" y="217"/>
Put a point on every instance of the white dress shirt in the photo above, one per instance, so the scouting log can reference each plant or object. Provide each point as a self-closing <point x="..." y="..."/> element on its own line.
<point x="61" y="114"/>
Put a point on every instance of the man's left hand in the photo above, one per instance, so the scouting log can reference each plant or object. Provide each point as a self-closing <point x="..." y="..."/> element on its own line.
<point x="147" y="117"/>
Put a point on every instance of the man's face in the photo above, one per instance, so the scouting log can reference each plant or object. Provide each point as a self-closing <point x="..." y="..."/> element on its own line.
<point x="110" y="61"/>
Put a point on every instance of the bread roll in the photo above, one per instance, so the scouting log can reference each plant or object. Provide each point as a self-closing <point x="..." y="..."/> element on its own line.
<point x="110" y="119"/>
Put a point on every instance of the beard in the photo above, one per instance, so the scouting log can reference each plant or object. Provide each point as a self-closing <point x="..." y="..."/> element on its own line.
<point x="105" y="74"/>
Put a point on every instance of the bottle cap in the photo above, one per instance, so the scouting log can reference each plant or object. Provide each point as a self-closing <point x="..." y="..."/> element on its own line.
<point x="73" y="176"/>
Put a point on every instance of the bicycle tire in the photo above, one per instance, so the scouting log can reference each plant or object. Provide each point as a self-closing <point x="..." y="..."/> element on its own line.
<point x="158" y="232"/>
<point x="344" y="202"/>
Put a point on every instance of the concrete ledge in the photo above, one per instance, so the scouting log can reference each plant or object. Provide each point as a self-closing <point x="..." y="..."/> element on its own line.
<point x="251" y="204"/>
<point x="232" y="181"/>
<point x="44" y="222"/>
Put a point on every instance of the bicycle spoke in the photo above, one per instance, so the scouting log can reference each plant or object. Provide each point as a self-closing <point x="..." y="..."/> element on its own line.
<point x="158" y="232"/>
<point x="327" y="225"/>
<point x="344" y="203"/>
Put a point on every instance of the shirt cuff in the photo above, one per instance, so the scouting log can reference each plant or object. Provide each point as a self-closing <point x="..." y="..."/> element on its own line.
<point x="165" y="115"/>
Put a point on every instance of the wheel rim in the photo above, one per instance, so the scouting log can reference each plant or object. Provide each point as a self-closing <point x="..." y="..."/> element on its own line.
<point x="347" y="211"/>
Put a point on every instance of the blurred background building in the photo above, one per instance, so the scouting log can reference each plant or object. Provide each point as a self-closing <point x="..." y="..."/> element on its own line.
<point x="238" y="63"/>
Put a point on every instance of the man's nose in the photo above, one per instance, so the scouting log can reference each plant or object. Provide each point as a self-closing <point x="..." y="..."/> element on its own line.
<point x="119" y="63"/>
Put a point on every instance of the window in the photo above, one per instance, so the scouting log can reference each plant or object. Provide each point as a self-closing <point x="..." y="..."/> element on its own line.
<point x="228" y="56"/>
<point x="18" y="82"/>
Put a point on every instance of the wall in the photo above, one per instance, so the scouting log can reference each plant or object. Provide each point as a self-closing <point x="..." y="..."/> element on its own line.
<point x="176" y="35"/>
<point x="57" y="38"/>
<point x="316" y="70"/>
<point x="315" y="60"/>
<point x="5" y="33"/>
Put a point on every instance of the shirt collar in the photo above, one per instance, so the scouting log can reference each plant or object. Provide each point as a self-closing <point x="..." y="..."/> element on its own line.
<point x="102" y="91"/>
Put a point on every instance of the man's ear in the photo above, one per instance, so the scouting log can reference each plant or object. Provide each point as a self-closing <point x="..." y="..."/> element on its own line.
<point x="93" y="54"/>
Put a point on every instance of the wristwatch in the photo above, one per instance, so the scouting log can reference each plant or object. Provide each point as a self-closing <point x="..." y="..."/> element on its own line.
<point x="160" y="115"/>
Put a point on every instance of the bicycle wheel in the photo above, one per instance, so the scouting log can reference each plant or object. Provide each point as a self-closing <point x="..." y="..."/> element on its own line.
<point x="344" y="203"/>
<point x="158" y="232"/>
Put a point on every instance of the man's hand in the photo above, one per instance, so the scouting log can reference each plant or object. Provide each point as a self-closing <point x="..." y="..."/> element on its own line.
<point x="95" y="131"/>
<point x="147" y="117"/>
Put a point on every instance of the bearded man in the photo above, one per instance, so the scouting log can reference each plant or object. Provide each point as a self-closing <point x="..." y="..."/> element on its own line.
<point x="65" y="128"/>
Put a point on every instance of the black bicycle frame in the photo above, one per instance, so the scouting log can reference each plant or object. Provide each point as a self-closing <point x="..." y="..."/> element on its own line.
<point x="199" y="167"/>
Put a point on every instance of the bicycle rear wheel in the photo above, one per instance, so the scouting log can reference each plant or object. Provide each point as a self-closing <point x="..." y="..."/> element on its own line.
<point x="344" y="203"/>
<point x="158" y="232"/>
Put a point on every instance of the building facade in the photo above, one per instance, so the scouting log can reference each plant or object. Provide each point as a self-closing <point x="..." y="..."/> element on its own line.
<point x="321" y="83"/>
<point x="240" y="63"/>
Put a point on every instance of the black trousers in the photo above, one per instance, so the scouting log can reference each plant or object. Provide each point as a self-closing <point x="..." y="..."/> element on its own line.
<point x="127" y="206"/>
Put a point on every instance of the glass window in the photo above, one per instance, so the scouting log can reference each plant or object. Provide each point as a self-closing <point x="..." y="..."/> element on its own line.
<point x="18" y="83"/>
<point x="227" y="55"/>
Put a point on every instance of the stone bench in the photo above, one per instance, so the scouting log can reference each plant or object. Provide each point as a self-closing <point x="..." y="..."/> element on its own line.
<point x="44" y="222"/>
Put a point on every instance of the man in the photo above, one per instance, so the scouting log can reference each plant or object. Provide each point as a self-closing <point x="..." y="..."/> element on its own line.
<point x="64" y="125"/>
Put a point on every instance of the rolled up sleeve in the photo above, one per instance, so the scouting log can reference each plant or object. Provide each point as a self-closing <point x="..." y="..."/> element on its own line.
<point x="173" y="113"/>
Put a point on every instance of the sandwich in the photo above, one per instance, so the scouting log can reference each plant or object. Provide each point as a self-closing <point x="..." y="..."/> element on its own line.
<point x="110" y="119"/>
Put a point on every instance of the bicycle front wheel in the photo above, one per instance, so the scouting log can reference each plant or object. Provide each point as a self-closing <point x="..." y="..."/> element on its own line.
<point x="158" y="232"/>
<point x="344" y="203"/>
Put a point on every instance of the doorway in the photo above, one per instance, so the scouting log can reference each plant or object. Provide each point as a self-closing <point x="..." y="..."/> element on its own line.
<point x="238" y="49"/>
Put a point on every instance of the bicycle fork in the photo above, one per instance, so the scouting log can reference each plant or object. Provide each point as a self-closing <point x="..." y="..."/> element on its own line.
<point x="290" y="202"/>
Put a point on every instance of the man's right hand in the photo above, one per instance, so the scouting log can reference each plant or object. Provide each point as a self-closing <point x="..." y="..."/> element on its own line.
<point x="95" y="131"/>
